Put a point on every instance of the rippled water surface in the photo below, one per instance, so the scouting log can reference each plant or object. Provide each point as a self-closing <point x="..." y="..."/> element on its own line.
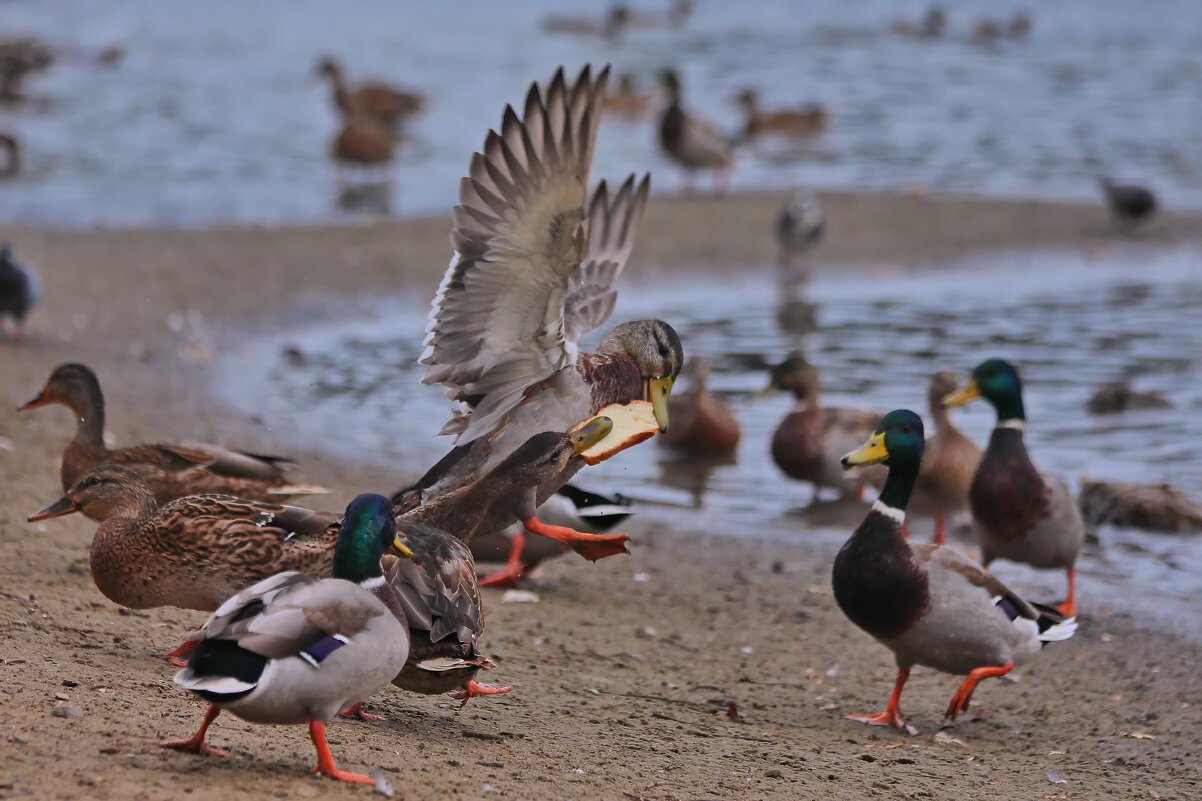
<point x="215" y="113"/>
<point x="1068" y="322"/>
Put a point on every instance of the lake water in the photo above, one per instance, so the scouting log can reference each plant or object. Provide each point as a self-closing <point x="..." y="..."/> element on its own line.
<point x="1070" y="322"/>
<point x="215" y="113"/>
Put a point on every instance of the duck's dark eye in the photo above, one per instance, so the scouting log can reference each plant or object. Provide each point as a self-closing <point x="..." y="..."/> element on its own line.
<point x="663" y="351"/>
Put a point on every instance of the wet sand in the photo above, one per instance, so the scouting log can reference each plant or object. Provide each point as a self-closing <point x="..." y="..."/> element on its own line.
<point x="612" y="698"/>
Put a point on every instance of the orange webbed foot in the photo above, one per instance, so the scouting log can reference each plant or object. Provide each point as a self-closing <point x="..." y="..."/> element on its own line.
<point x="890" y="717"/>
<point x="356" y="711"/>
<point x="471" y="689"/>
<point x="178" y="657"/>
<point x="507" y="577"/>
<point x="602" y="546"/>
<point x="192" y="745"/>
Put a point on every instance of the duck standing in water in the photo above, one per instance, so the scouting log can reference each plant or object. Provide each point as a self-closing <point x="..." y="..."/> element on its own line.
<point x="702" y="424"/>
<point x="295" y="649"/>
<point x="807" y="444"/>
<point x="386" y="105"/>
<point x="929" y="604"/>
<point x="19" y="291"/>
<point x="690" y="140"/>
<point x="1020" y="514"/>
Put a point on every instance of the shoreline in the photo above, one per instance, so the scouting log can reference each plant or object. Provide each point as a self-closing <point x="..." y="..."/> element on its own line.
<point x="609" y="698"/>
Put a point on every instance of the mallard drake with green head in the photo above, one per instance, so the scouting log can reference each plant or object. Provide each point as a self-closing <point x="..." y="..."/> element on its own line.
<point x="1021" y="514"/>
<point x="533" y="271"/>
<point x="949" y="462"/>
<point x="296" y="649"/>
<point x="929" y="604"/>
<point x="194" y="552"/>
<point x="690" y="140"/>
<point x="807" y="444"/>
<point x="173" y="471"/>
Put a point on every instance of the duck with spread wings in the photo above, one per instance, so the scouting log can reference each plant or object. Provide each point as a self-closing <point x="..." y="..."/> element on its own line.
<point x="533" y="271"/>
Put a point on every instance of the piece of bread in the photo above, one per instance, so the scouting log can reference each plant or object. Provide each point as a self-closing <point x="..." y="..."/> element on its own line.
<point x="633" y="423"/>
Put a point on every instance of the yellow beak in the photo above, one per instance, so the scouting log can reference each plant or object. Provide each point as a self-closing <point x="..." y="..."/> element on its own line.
<point x="966" y="394"/>
<point x="591" y="433"/>
<point x="870" y="452"/>
<point x="400" y="547"/>
<point x="660" y="389"/>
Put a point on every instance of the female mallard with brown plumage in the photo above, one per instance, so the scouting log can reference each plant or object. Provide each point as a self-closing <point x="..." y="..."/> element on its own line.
<point x="173" y="471"/>
<point x="533" y="271"/>
<point x="807" y="444"/>
<point x="690" y="140"/>
<point x="296" y="648"/>
<point x="384" y="104"/>
<point x="949" y="462"/>
<point x="1021" y="514"/>
<point x="929" y="604"/>
<point x="194" y="552"/>
<point x="701" y="422"/>
<point x="801" y="121"/>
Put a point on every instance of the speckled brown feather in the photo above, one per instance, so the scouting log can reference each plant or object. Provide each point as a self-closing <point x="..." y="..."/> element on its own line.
<point x="196" y="552"/>
<point x="440" y="594"/>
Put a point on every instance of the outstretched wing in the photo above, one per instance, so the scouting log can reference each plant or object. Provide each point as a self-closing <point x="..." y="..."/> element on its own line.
<point x="497" y="322"/>
<point x="612" y="224"/>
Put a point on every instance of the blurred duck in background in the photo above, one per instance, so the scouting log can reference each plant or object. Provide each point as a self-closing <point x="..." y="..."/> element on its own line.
<point x="625" y="99"/>
<point x="11" y="167"/>
<point x="690" y="140"/>
<point x="676" y="16"/>
<point x="931" y="26"/>
<point x="615" y="23"/>
<point x="949" y="462"/>
<point x="799" y="227"/>
<point x="988" y="31"/>
<point x="19" y="58"/>
<point x="387" y="105"/>
<point x="363" y="141"/>
<point x="810" y="440"/>
<point x="805" y="120"/>
<point x="19" y="291"/>
<point x="702" y="424"/>
<point x="1130" y="204"/>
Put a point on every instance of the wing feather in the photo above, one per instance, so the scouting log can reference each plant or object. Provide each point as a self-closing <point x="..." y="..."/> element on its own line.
<point x="496" y="325"/>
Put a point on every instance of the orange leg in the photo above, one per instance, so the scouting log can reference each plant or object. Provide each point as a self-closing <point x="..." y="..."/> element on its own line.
<point x="179" y="656"/>
<point x="940" y="529"/>
<point x="473" y="688"/>
<point x="906" y="529"/>
<point x="959" y="703"/>
<point x="356" y="711"/>
<point x="514" y="569"/>
<point x="196" y="743"/>
<point x="590" y="546"/>
<point x="325" y="760"/>
<point x="892" y="716"/>
<point x="1068" y="607"/>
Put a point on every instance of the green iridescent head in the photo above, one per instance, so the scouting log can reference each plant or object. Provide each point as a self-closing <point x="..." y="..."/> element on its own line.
<point x="898" y="442"/>
<point x="996" y="381"/>
<point x="368" y="531"/>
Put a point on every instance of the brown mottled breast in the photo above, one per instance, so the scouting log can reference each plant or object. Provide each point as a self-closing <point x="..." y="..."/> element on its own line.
<point x="876" y="580"/>
<point x="797" y="445"/>
<point x="612" y="377"/>
<point x="1007" y="496"/>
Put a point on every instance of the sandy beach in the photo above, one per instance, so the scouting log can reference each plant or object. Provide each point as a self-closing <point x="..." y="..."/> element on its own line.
<point x="614" y="697"/>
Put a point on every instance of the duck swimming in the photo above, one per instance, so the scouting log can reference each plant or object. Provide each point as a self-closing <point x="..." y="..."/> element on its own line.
<point x="929" y="604"/>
